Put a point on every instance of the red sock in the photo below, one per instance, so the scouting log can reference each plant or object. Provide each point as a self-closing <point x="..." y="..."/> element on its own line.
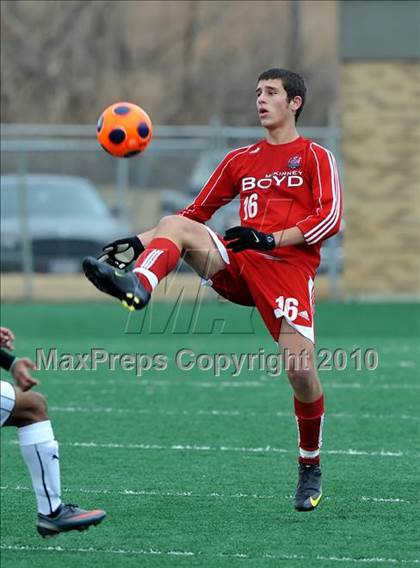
<point x="309" y="419"/>
<point x="156" y="261"/>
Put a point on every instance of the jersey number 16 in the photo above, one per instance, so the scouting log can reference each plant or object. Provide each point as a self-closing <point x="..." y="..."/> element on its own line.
<point x="250" y="206"/>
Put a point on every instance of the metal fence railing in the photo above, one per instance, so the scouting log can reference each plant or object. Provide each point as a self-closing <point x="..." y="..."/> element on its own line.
<point x="169" y="174"/>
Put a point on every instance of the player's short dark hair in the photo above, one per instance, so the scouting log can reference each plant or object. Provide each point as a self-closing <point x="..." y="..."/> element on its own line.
<point x="293" y="84"/>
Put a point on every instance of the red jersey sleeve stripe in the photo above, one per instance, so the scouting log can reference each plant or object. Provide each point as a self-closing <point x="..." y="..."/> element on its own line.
<point x="319" y="208"/>
<point x="205" y="193"/>
<point x="317" y="232"/>
<point x="236" y="152"/>
<point x="244" y="149"/>
<point x="335" y="212"/>
<point x="321" y="190"/>
<point x="332" y="225"/>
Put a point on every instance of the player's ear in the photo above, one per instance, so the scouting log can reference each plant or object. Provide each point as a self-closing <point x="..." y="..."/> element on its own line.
<point x="296" y="103"/>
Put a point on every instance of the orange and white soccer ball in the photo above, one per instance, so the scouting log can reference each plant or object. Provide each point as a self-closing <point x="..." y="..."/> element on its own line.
<point x="124" y="130"/>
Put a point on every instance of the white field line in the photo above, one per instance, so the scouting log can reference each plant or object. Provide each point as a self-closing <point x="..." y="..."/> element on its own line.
<point x="403" y="364"/>
<point x="376" y="386"/>
<point x="228" y="413"/>
<point x="143" y="382"/>
<point x="217" y="383"/>
<point x="205" y="448"/>
<point x="273" y="381"/>
<point x="212" y="495"/>
<point x="203" y="555"/>
<point x="387" y="500"/>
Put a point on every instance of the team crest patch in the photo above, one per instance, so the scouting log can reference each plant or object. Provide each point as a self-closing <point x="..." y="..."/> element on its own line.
<point x="294" y="162"/>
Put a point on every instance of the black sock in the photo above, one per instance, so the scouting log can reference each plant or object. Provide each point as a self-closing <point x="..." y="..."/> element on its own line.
<point x="55" y="513"/>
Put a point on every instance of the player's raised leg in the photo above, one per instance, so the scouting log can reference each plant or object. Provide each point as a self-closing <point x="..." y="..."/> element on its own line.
<point x="41" y="454"/>
<point x="299" y="359"/>
<point x="173" y="236"/>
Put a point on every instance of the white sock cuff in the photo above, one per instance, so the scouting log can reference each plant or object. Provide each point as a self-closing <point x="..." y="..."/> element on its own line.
<point x="36" y="433"/>
<point x="306" y="454"/>
<point x="151" y="277"/>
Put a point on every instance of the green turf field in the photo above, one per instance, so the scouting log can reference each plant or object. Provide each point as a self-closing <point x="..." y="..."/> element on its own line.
<point x="196" y="470"/>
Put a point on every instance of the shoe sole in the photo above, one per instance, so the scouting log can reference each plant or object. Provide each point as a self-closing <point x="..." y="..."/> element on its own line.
<point x="46" y="532"/>
<point x="100" y="280"/>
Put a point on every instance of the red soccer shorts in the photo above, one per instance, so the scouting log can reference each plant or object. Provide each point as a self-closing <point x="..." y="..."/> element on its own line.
<point x="277" y="288"/>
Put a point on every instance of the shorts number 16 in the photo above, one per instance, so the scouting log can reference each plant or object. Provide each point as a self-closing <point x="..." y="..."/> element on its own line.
<point x="288" y="307"/>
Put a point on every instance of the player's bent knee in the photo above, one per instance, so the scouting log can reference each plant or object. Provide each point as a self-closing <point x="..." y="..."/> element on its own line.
<point x="173" y="221"/>
<point x="30" y="407"/>
<point x="39" y="403"/>
<point x="187" y="232"/>
<point x="301" y="370"/>
<point x="300" y="375"/>
<point x="181" y="224"/>
<point x="167" y="219"/>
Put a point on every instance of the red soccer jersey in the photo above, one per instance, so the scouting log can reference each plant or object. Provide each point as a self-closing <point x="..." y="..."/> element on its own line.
<point x="280" y="186"/>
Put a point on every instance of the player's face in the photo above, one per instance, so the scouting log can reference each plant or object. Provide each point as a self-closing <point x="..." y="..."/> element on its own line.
<point x="273" y="107"/>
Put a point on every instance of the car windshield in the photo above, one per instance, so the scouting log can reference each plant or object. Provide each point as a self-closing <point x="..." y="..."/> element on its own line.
<point x="53" y="199"/>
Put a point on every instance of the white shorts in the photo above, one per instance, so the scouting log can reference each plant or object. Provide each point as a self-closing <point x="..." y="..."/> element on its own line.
<point x="8" y="398"/>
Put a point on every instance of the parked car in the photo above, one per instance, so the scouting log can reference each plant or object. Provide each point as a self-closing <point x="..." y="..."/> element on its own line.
<point x="67" y="220"/>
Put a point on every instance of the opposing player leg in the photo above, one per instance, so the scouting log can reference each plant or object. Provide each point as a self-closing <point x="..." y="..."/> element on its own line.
<point x="173" y="237"/>
<point x="40" y="452"/>
<point x="299" y="360"/>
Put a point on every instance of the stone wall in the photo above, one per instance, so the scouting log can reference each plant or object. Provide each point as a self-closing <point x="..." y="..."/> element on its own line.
<point x="380" y="110"/>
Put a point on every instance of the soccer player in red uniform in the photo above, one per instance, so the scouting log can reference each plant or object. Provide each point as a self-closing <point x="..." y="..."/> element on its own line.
<point x="290" y="202"/>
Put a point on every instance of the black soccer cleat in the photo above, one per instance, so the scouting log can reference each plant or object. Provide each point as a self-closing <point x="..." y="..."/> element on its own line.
<point x="122" y="285"/>
<point x="308" y="491"/>
<point x="69" y="518"/>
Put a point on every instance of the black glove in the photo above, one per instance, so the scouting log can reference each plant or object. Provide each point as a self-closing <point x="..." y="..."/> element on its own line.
<point x="122" y="252"/>
<point x="242" y="238"/>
